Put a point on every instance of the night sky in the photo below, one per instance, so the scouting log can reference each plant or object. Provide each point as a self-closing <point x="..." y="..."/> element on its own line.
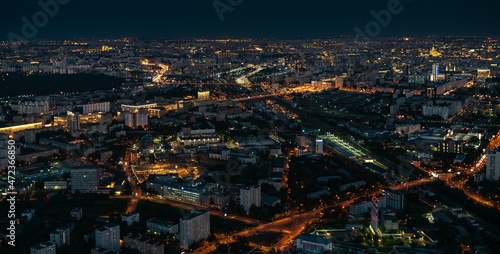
<point x="252" y="18"/>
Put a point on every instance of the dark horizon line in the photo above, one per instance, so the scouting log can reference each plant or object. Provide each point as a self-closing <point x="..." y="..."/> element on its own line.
<point x="293" y="38"/>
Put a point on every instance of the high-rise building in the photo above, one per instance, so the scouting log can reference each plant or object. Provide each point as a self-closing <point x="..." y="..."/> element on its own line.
<point x="73" y="119"/>
<point x="374" y="214"/>
<point x="250" y="195"/>
<point x="44" y="248"/>
<point x="84" y="179"/>
<point x="435" y="72"/>
<point x="493" y="165"/>
<point x="194" y="227"/>
<point x="108" y="237"/>
<point x="319" y="146"/>
<point x="60" y="236"/>
<point x="136" y="119"/>
<point x="395" y="199"/>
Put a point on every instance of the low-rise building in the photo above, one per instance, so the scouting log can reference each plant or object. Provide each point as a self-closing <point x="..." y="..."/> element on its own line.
<point x="313" y="244"/>
<point x="131" y="218"/>
<point x="44" y="248"/>
<point x="55" y="185"/>
<point x="390" y="222"/>
<point x="143" y="244"/>
<point x="157" y="226"/>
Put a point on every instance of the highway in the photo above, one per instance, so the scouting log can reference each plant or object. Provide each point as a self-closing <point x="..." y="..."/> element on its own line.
<point x="447" y="178"/>
<point x="157" y="78"/>
<point x="291" y="227"/>
<point x="217" y="213"/>
<point x="136" y="191"/>
<point x="414" y="183"/>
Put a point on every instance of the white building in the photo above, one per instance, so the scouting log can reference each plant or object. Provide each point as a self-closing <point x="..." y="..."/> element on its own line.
<point x="198" y="135"/>
<point x="84" y="179"/>
<point x="319" y="146"/>
<point x="390" y="222"/>
<point x="391" y="199"/>
<point x="194" y="227"/>
<point x="435" y="72"/>
<point x="60" y="236"/>
<point x="436" y="110"/>
<point x="131" y="218"/>
<point x="108" y="237"/>
<point x="44" y="248"/>
<point x="250" y="195"/>
<point x="493" y="165"/>
<point x="31" y="107"/>
<point x="408" y="128"/>
<point x="95" y="107"/>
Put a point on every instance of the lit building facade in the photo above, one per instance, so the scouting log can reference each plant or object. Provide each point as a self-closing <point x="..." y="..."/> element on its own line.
<point x="84" y="179"/>
<point x="493" y="165"/>
<point x="194" y="227"/>
<point x="250" y="195"/>
<point x="108" y="237"/>
<point x="73" y="119"/>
